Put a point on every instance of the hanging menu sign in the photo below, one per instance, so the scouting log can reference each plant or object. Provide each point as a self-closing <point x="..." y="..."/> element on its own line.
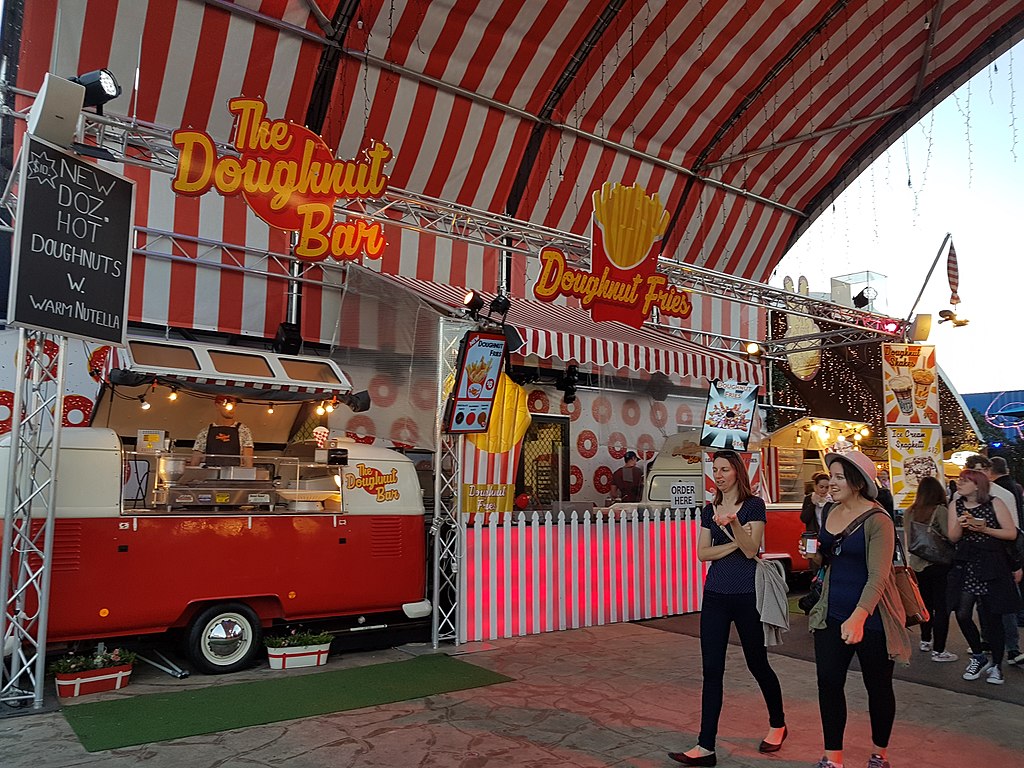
<point x="479" y="370"/>
<point x="72" y="246"/>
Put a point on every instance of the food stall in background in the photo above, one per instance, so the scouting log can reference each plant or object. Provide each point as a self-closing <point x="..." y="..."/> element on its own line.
<point x="311" y="530"/>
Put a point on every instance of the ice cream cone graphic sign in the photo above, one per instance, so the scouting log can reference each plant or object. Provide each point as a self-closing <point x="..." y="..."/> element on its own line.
<point x="623" y="283"/>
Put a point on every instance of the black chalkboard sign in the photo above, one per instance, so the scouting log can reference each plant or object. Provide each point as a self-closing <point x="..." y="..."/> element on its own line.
<point x="72" y="246"/>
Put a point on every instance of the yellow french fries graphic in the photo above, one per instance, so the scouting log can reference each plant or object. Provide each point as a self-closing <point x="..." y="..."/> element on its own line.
<point x="477" y="372"/>
<point x="630" y="220"/>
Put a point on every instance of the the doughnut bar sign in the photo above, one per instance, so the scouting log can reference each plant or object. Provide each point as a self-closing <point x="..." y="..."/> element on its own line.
<point x="479" y="370"/>
<point x="72" y="246"/>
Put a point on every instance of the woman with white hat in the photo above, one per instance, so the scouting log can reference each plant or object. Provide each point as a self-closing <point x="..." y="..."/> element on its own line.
<point x="860" y="611"/>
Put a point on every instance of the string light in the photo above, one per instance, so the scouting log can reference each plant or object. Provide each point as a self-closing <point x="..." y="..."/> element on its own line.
<point x="329" y="407"/>
<point x="144" y="405"/>
<point x="270" y="409"/>
<point x="320" y="410"/>
<point x="174" y="394"/>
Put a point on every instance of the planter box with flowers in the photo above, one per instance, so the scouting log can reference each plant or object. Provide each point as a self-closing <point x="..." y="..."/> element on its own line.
<point x="103" y="670"/>
<point x="298" y="649"/>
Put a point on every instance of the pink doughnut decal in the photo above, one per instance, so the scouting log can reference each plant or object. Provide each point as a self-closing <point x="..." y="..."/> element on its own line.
<point x="383" y="391"/>
<point x="645" y="447"/>
<point x="50" y="353"/>
<point x="586" y="444"/>
<point x="6" y="403"/>
<point x="659" y="414"/>
<point x="537" y="401"/>
<point x="423" y="394"/>
<point x="601" y="409"/>
<point x="361" y="429"/>
<point x="631" y="412"/>
<point x="575" y="479"/>
<point x="80" y="407"/>
<point x="617" y="446"/>
<point x="602" y="479"/>
<point x="405" y="433"/>
<point x="684" y="414"/>
<point x="573" y="410"/>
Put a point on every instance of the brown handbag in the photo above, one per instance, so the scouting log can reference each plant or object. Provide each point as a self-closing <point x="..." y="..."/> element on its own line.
<point x="910" y="593"/>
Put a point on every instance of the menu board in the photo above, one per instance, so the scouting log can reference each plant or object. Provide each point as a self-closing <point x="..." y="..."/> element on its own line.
<point x="479" y="368"/>
<point x="914" y="453"/>
<point x="911" y="389"/>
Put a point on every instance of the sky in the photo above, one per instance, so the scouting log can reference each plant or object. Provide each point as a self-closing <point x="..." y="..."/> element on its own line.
<point x="965" y="166"/>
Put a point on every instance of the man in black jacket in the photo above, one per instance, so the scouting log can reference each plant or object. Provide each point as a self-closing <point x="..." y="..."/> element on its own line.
<point x="999" y="474"/>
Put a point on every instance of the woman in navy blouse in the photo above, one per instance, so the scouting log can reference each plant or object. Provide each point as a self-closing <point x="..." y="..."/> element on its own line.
<point x="730" y="536"/>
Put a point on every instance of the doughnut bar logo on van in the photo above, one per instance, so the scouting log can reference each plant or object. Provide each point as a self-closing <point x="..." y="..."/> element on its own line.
<point x="623" y="283"/>
<point x="374" y="482"/>
<point x="289" y="178"/>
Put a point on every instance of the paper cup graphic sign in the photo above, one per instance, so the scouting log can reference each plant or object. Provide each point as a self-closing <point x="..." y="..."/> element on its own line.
<point x="910" y="379"/>
<point x="320" y="434"/>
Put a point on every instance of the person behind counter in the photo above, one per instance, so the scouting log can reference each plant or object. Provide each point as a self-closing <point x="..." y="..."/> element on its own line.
<point x="628" y="480"/>
<point x="225" y="442"/>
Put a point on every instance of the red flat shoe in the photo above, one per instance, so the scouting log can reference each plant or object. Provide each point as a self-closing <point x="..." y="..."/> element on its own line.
<point x="768" y="747"/>
<point x="685" y="759"/>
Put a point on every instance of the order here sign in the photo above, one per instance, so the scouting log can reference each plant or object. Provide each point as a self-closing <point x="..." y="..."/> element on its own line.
<point x="72" y="246"/>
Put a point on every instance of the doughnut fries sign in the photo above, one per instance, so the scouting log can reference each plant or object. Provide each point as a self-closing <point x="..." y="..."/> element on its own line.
<point x="289" y="178"/>
<point x="623" y="283"/>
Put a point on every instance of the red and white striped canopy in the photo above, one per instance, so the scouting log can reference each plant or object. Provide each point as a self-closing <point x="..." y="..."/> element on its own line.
<point x="569" y="335"/>
<point x="746" y="118"/>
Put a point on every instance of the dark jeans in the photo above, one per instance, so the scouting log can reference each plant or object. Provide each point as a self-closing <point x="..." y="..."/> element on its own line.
<point x="932" y="581"/>
<point x="991" y="626"/>
<point x="832" y="657"/>
<point x="718" y="613"/>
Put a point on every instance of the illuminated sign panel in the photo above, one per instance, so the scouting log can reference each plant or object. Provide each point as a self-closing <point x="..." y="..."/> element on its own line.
<point x="289" y="178"/>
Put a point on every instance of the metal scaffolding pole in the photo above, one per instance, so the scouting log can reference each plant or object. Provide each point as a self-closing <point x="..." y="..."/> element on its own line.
<point x="31" y="487"/>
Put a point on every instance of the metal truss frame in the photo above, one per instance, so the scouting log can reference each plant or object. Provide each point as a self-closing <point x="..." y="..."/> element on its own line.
<point x="448" y="531"/>
<point x="149" y="145"/>
<point x="25" y="561"/>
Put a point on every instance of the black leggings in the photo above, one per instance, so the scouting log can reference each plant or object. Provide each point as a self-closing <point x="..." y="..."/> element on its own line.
<point x="718" y="613"/>
<point x="991" y="625"/>
<point x="932" y="581"/>
<point x="832" y="657"/>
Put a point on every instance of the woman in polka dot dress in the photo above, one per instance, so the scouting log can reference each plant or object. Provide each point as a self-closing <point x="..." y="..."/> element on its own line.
<point x="981" y="573"/>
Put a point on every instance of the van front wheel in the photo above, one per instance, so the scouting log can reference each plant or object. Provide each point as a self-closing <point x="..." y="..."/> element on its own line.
<point x="224" y="638"/>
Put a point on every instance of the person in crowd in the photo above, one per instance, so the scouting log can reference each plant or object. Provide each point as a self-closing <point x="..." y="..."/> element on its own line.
<point x="226" y="441"/>
<point x="732" y="527"/>
<point x="930" y="507"/>
<point x="885" y="493"/>
<point x="999" y="474"/>
<point x="814" y="502"/>
<point x="984" y="464"/>
<point x="860" y="611"/>
<point x="981" y="574"/>
<point x="952" y="489"/>
<point x="628" y="480"/>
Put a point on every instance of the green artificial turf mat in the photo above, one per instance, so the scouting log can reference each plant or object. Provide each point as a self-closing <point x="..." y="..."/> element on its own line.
<point x="158" y="717"/>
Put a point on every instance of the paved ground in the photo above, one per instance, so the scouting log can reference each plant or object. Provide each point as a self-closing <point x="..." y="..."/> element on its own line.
<point x="621" y="695"/>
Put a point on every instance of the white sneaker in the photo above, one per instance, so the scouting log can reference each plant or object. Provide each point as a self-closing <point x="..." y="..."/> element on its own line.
<point x="944" y="656"/>
<point x="977" y="666"/>
<point x="1014" y="657"/>
<point x="926" y="645"/>
<point x="995" y="676"/>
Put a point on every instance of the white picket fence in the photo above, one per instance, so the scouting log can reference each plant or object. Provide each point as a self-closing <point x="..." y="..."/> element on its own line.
<point x="526" y="573"/>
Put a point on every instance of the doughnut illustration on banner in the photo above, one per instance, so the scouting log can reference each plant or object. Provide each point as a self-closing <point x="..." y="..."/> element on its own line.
<point x="631" y="412"/>
<point x="659" y="415"/>
<point x="383" y="391"/>
<point x="617" y="445"/>
<point x="586" y="444"/>
<point x="575" y="479"/>
<point x="601" y="410"/>
<point x="361" y="429"/>
<point x="537" y="401"/>
<point x="572" y="410"/>
<point x="76" y="411"/>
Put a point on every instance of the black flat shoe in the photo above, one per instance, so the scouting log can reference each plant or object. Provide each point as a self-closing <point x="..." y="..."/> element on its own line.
<point x="685" y="759"/>
<point x="769" y="747"/>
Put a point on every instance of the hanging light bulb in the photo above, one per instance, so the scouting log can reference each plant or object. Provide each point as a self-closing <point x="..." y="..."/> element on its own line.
<point x="865" y="432"/>
<point x="174" y="394"/>
<point x="320" y="410"/>
<point x="270" y="409"/>
<point x="857" y="437"/>
<point x="799" y="439"/>
<point x="145" y="406"/>
<point x="329" y="407"/>
<point x="229" y="406"/>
